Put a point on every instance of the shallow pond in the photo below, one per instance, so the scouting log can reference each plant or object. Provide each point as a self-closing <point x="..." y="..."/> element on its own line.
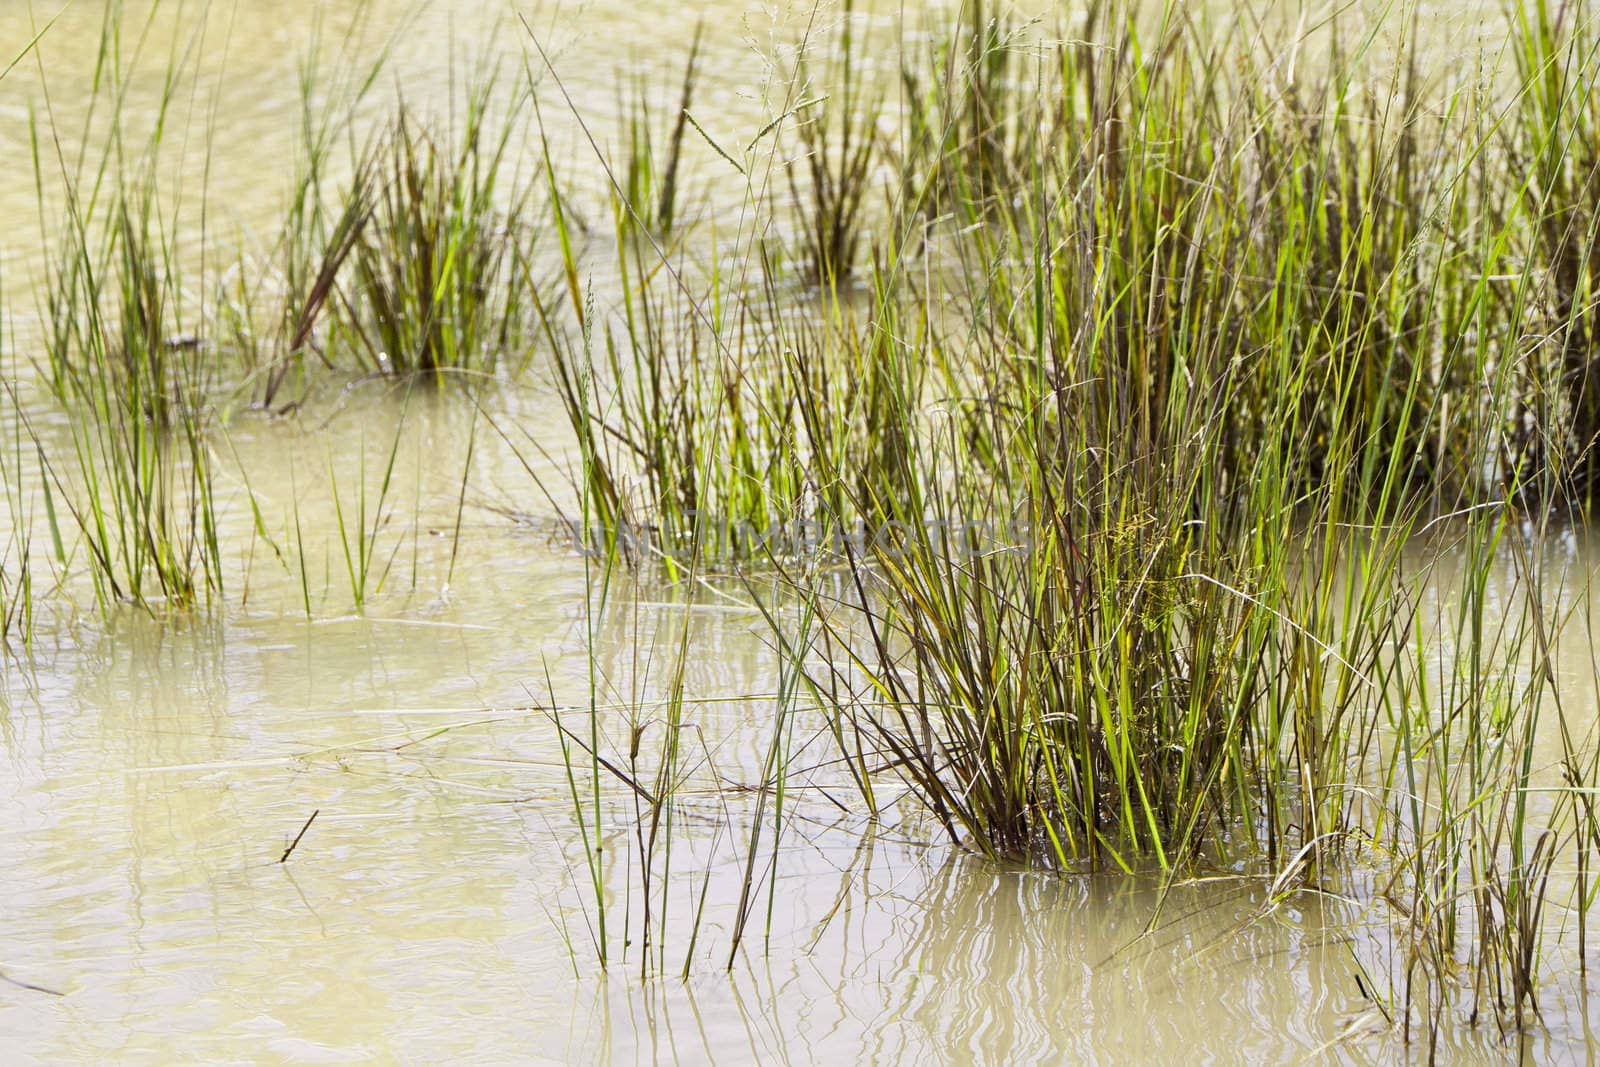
<point x="437" y="908"/>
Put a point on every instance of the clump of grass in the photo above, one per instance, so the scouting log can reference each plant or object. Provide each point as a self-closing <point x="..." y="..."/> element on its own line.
<point x="138" y="485"/>
<point x="1216" y="333"/>
<point x="840" y="151"/>
<point x="417" y="266"/>
<point x="1132" y="586"/>
<point x="1074" y="647"/>
<point x="126" y="357"/>
<point x="1135" y="589"/>
<point x="271" y="305"/>
<point x="1225" y="364"/>
<point x="432" y="276"/>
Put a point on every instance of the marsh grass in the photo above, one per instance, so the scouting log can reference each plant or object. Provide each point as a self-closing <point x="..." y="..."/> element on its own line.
<point x="125" y="352"/>
<point x="136" y="387"/>
<point x="432" y="282"/>
<point x="651" y="171"/>
<point x="840" y="151"/>
<point x="414" y="263"/>
<point x="116" y="318"/>
<point x="1137" y="590"/>
<point x="1110" y="479"/>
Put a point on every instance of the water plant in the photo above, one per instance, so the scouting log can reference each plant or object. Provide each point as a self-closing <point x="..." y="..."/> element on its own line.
<point x="1103" y="520"/>
<point x="650" y="177"/>
<point x="138" y="485"/>
<point x="433" y="275"/>
<point x="839" y="154"/>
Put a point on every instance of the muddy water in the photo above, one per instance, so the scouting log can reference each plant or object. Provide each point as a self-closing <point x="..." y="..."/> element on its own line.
<point x="231" y="129"/>
<point x="437" y="908"/>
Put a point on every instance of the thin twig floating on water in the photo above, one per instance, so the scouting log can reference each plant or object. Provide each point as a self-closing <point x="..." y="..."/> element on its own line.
<point x="285" y="857"/>
<point x="29" y="985"/>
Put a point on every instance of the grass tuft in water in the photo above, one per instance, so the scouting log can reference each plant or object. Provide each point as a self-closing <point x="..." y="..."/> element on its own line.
<point x="836" y="123"/>
<point x="432" y="280"/>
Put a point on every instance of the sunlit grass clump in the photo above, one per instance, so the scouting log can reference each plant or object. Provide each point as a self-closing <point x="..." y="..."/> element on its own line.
<point x="1081" y="413"/>
<point x="437" y="275"/>
<point x="1117" y="458"/>
<point x="136" y="482"/>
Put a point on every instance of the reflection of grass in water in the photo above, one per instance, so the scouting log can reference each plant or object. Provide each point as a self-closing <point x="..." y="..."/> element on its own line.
<point x="1207" y="343"/>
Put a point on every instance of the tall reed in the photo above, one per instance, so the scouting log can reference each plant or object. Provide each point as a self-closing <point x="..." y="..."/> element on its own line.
<point x="839" y="153"/>
<point x="651" y="172"/>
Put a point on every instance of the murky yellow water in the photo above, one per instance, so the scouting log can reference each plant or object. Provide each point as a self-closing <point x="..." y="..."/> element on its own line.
<point x="436" y="909"/>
